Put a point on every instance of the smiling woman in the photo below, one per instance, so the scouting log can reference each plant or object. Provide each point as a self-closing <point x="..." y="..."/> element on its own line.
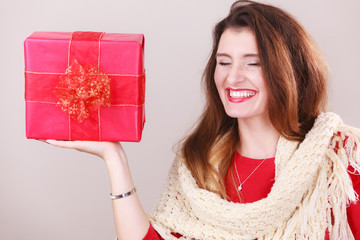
<point x="263" y="139"/>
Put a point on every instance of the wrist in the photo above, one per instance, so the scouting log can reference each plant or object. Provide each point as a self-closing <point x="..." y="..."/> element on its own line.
<point x="115" y="154"/>
<point x="119" y="173"/>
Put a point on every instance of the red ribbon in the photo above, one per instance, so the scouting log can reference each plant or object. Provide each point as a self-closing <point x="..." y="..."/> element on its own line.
<point x="83" y="88"/>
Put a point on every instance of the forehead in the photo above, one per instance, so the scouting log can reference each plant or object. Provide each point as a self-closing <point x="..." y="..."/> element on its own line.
<point x="238" y="41"/>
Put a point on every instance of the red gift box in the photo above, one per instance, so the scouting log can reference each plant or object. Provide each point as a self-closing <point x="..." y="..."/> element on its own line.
<point x="84" y="86"/>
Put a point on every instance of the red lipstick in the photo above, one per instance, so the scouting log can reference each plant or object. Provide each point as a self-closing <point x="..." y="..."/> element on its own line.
<point x="240" y="95"/>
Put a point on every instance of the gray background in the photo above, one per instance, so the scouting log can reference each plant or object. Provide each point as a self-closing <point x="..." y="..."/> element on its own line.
<point x="51" y="193"/>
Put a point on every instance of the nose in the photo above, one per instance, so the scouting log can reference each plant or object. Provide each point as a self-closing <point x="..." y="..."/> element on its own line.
<point x="236" y="74"/>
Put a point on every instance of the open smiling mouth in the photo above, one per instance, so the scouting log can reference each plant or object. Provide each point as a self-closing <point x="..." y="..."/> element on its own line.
<point x="240" y="95"/>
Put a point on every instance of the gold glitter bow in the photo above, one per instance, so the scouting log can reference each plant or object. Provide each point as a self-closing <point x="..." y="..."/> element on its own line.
<point x="81" y="90"/>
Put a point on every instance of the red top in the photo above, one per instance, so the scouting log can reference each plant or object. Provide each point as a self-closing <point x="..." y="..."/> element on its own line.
<point x="257" y="185"/>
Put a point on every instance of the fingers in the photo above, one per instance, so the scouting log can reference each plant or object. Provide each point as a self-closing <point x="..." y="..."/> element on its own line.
<point x="100" y="149"/>
<point x="63" y="144"/>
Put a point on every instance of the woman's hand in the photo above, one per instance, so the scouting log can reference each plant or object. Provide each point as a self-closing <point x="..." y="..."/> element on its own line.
<point x="105" y="150"/>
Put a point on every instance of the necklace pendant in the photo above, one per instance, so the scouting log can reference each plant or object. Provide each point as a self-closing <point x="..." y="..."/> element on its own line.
<point x="237" y="174"/>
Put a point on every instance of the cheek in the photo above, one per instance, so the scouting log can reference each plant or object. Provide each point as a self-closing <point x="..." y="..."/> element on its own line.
<point x="219" y="78"/>
<point x="259" y="81"/>
<point x="265" y="93"/>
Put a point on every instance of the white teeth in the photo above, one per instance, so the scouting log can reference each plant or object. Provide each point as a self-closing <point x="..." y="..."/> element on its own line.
<point x="241" y="94"/>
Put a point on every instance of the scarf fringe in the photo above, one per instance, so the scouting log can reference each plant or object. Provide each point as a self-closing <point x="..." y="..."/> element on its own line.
<point x="343" y="152"/>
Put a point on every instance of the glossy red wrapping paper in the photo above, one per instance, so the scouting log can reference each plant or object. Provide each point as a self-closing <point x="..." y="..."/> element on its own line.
<point x="48" y="55"/>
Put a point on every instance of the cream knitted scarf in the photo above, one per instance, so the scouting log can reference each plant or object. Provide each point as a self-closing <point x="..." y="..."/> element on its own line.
<point x="311" y="184"/>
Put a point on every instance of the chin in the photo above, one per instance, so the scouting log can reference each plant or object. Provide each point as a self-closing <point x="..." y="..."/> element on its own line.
<point x="244" y="115"/>
<point x="234" y="114"/>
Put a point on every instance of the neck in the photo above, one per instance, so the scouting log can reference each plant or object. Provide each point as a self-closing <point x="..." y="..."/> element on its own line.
<point x="258" y="138"/>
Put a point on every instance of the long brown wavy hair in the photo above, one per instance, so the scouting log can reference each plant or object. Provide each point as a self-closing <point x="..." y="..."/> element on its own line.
<point x="296" y="76"/>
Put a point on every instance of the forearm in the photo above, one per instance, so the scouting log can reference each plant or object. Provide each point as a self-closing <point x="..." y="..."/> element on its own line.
<point x="131" y="221"/>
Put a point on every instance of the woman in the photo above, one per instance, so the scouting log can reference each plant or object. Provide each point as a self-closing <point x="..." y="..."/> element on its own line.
<point x="262" y="140"/>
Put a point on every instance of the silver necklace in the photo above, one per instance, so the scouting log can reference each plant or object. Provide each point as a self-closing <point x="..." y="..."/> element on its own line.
<point x="237" y="174"/>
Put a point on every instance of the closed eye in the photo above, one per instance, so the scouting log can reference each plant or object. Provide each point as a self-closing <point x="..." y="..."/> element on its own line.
<point x="224" y="63"/>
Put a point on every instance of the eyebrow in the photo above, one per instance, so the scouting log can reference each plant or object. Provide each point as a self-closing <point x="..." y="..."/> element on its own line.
<point x="246" y="55"/>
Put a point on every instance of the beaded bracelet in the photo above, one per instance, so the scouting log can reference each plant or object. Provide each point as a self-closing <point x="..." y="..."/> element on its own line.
<point x="124" y="195"/>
